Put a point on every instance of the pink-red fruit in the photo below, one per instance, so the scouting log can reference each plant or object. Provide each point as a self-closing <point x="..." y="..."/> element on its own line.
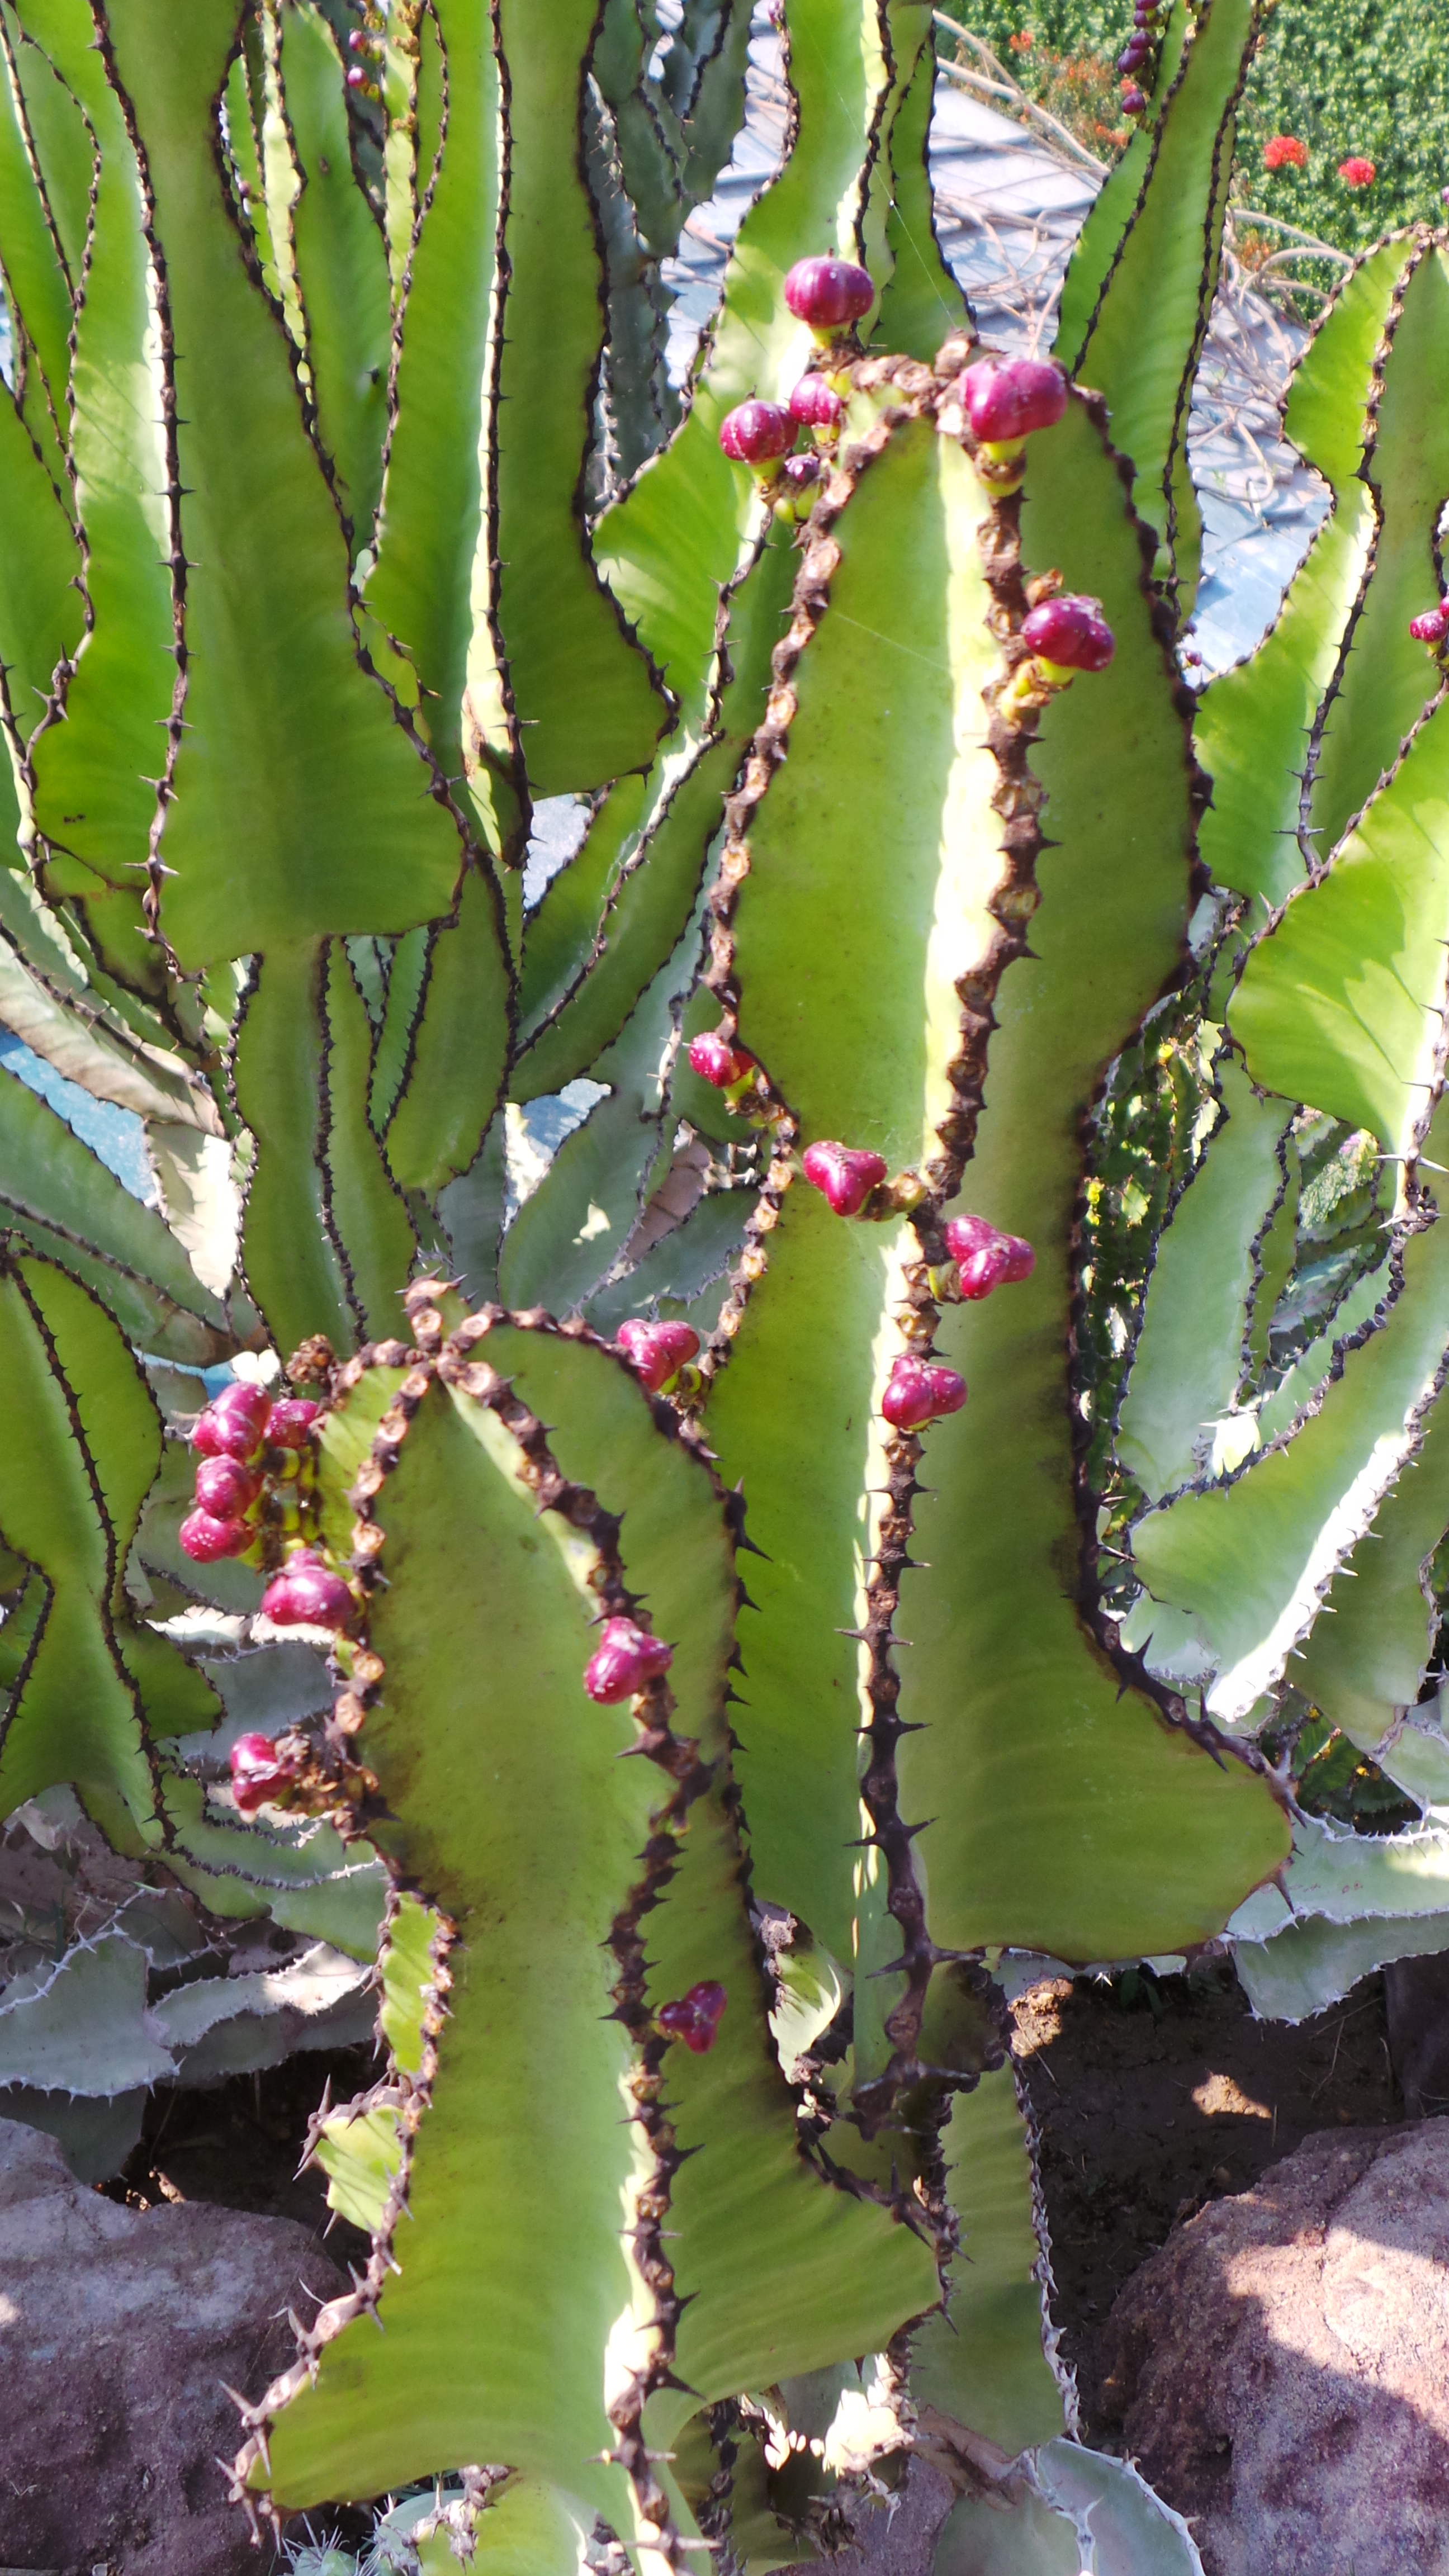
<point x="225" y="1488"/>
<point x="224" y="1435"/>
<point x="828" y="292"/>
<point x="290" y="1422"/>
<point x="716" y="1061"/>
<point x="234" y="1421"/>
<point x="801" y="471"/>
<point x="307" y="1594"/>
<point x="624" y="1661"/>
<point x="1009" y="398"/>
<point x="1070" y="632"/>
<point x="815" y="406"/>
<point x="1134" y="54"/>
<point x="695" y="2017"/>
<point x="249" y="1402"/>
<point x="756" y="432"/>
<point x="656" y="1352"/>
<point x="206" y="1540"/>
<point x="259" y="1774"/>
<point x="1134" y="100"/>
<point x="920" y="1391"/>
<point x="1433" y="626"/>
<point x="843" y="1174"/>
<point x="984" y="1257"/>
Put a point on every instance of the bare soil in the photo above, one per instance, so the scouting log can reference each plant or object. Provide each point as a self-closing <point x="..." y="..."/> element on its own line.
<point x="1154" y="2096"/>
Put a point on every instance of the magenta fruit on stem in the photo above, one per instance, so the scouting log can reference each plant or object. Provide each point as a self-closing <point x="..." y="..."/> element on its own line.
<point x="290" y="1422"/>
<point x="1069" y="634"/>
<point x="1134" y="100"/>
<point x="624" y="1661"/>
<point x="233" y="1422"/>
<point x="1008" y="398"/>
<point x="224" y="1435"/>
<point x="801" y="471"/>
<point x="828" y="292"/>
<point x="1134" y="54"/>
<point x="815" y="405"/>
<point x="845" y="1175"/>
<point x="259" y="1773"/>
<point x="695" y="2017"/>
<point x="717" y="1062"/>
<point x="755" y="433"/>
<point x="249" y="1403"/>
<point x="985" y="1258"/>
<point x="1433" y="626"/>
<point x="207" y="1540"/>
<point x="225" y="1488"/>
<point x="920" y="1391"/>
<point x="656" y="1352"/>
<point x="307" y="1594"/>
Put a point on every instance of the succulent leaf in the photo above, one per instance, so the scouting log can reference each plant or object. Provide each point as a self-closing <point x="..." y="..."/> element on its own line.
<point x="1167" y="254"/>
<point x="1252" y="723"/>
<point x="921" y="304"/>
<point x="1005" y="1670"/>
<point x="341" y="267"/>
<point x="58" y="1196"/>
<point x="580" y="689"/>
<point x="655" y="885"/>
<point x="84" y="1444"/>
<point x="677" y="540"/>
<point x="1252" y="1560"/>
<point x="342" y="832"/>
<point x="1188" y="1364"/>
<point x="981" y="2363"/>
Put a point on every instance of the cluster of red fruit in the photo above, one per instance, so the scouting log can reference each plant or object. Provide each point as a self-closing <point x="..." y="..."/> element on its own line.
<point x="246" y="1441"/>
<point x="232" y="1436"/>
<point x="831" y="295"/>
<point x="1433" y="627"/>
<point x="1136" y="54"/>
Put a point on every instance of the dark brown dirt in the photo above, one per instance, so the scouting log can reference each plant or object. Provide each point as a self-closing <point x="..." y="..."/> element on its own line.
<point x="239" y="2144"/>
<point x="1155" y="2097"/>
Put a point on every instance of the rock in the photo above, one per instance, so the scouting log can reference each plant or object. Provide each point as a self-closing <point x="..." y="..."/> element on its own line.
<point x="1280" y="2369"/>
<point x="117" y="2328"/>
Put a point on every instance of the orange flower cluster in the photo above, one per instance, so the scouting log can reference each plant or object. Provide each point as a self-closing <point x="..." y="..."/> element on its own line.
<point x="1285" y="152"/>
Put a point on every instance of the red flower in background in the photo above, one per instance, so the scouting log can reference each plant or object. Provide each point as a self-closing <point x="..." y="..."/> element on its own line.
<point x="1022" y="41"/>
<point x="1357" y="173"/>
<point x="1285" y="151"/>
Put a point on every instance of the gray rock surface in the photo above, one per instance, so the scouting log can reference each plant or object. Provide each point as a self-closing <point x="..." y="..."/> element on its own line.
<point x="117" y="2329"/>
<point x="1280" y="2369"/>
